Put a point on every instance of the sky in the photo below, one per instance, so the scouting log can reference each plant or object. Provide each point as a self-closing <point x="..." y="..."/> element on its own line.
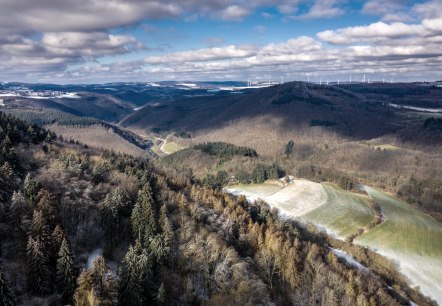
<point x="100" y="41"/>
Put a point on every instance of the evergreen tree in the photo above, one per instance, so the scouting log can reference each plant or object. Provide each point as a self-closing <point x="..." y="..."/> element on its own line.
<point x="130" y="280"/>
<point x="18" y="212"/>
<point x="289" y="147"/>
<point x="38" y="269"/>
<point x="46" y="204"/>
<point x="113" y="208"/>
<point x="161" y="296"/>
<point x="143" y="215"/>
<point x="67" y="272"/>
<point x="39" y="230"/>
<point x="30" y="188"/>
<point x="58" y="236"/>
<point x="7" y="296"/>
<point x="97" y="286"/>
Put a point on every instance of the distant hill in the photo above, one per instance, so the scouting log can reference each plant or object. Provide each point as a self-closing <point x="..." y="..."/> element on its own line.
<point x="296" y="104"/>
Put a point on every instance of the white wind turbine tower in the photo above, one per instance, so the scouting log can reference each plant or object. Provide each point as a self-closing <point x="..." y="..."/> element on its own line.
<point x="364" y="79"/>
<point x="350" y="78"/>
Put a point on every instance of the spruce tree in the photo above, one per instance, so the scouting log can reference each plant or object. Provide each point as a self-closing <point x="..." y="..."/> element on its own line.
<point x="67" y="272"/>
<point x="161" y="296"/>
<point x="46" y="204"/>
<point x="7" y="296"/>
<point x="30" y="188"/>
<point x="39" y="230"/>
<point x="19" y="211"/>
<point x="143" y="215"/>
<point x="136" y="276"/>
<point x="38" y="269"/>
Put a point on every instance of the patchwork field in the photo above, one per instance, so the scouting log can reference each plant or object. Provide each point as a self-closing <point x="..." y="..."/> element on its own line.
<point x="408" y="237"/>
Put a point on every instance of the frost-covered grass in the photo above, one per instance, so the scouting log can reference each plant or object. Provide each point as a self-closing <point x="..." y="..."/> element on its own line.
<point x="344" y="213"/>
<point x="410" y="238"/>
<point x="387" y="147"/>
<point x="254" y="191"/>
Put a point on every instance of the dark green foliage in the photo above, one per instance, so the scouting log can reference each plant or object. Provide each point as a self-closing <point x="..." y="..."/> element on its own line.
<point x="324" y="123"/>
<point x="19" y="211"/>
<point x="261" y="173"/>
<point x="289" y="147"/>
<point x="7" y="296"/>
<point x="31" y="188"/>
<point x="434" y="124"/>
<point x="114" y="208"/>
<point x="161" y="296"/>
<point x="67" y="272"/>
<point x="38" y="267"/>
<point x="7" y="182"/>
<point x="143" y="218"/>
<point x="51" y="116"/>
<point x="217" y="181"/>
<point x="243" y="177"/>
<point x="225" y="150"/>
<point x="39" y="230"/>
<point x="135" y="276"/>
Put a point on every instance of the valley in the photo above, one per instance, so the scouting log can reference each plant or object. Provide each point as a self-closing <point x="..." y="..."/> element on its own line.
<point x="307" y="150"/>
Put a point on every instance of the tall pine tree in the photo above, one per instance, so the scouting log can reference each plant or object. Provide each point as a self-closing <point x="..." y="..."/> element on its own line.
<point x="67" y="272"/>
<point x="143" y="215"/>
<point x="38" y="269"/>
<point x="7" y="296"/>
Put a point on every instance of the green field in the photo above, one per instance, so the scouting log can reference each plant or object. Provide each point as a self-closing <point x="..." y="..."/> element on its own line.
<point x="172" y="147"/>
<point x="410" y="238"/>
<point x="343" y="214"/>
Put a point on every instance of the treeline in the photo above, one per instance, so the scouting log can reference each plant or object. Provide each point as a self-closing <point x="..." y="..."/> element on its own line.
<point x="426" y="193"/>
<point x="49" y="116"/>
<point x="225" y="150"/>
<point x="434" y="124"/>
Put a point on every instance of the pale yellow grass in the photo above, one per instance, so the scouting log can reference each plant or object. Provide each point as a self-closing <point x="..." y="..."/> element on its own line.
<point x="97" y="136"/>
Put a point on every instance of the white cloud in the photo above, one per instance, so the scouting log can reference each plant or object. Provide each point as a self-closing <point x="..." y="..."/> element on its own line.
<point x="323" y="9"/>
<point x="374" y="32"/>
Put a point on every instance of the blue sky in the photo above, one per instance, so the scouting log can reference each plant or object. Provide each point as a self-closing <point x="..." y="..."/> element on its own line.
<point x="145" y="40"/>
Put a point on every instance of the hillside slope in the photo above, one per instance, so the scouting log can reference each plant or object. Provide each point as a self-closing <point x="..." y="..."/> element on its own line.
<point x="294" y="104"/>
<point x="162" y="240"/>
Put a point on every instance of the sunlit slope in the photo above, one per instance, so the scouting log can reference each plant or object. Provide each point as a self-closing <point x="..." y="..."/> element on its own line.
<point x="343" y="214"/>
<point x="339" y="212"/>
<point x="411" y="238"/>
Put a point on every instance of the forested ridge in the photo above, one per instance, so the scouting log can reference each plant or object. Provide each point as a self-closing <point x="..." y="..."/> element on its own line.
<point x="165" y="240"/>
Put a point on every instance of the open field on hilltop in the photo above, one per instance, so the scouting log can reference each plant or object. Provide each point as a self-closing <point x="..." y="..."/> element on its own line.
<point x="97" y="136"/>
<point x="344" y="213"/>
<point x="296" y="199"/>
<point x="339" y="212"/>
<point x="410" y="238"/>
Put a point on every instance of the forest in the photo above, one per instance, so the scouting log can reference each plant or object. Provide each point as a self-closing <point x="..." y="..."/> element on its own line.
<point x="165" y="240"/>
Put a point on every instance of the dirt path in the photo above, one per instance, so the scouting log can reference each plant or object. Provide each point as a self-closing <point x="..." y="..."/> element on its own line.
<point x="163" y="143"/>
